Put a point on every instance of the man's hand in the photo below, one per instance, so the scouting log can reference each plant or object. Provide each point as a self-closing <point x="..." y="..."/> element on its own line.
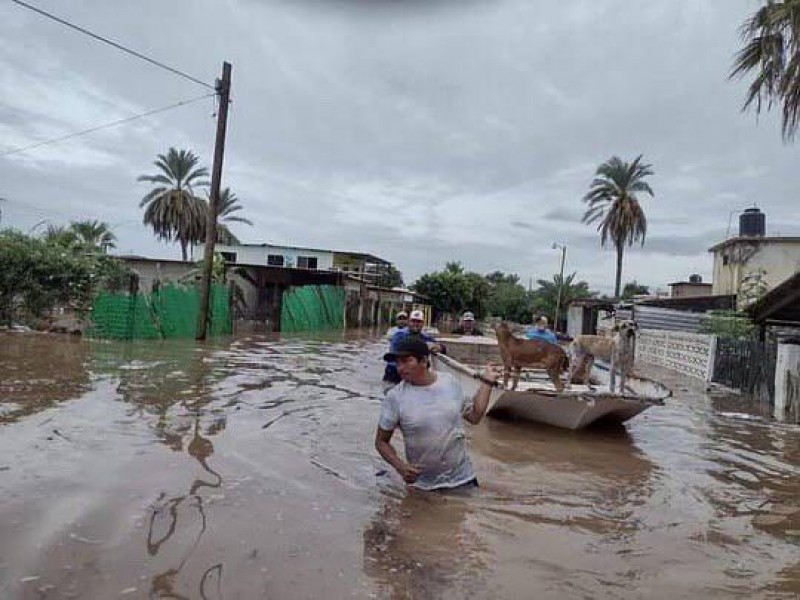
<point x="409" y="473"/>
<point x="435" y="348"/>
<point x="492" y="372"/>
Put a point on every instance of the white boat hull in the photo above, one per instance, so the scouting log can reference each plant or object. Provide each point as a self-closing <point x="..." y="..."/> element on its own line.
<point x="573" y="408"/>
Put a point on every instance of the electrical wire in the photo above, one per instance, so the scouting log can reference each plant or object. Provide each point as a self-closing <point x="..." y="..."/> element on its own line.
<point x="116" y="45"/>
<point x="104" y="126"/>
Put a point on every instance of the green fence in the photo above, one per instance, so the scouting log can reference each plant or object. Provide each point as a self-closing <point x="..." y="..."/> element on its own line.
<point x="312" y="308"/>
<point x="168" y="312"/>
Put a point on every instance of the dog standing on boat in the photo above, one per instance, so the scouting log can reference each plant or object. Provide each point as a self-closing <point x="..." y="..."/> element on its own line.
<point x="517" y="353"/>
<point x="619" y="349"/>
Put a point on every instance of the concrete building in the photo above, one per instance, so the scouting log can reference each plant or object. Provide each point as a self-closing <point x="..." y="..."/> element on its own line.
<point x="372" y="269"/>
<point x="689" y="289"/>
<point x="752" y="251"/>
<point x="271" y="255"/>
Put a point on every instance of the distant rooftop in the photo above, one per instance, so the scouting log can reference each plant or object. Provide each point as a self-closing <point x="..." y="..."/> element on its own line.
<point x="361" y="255"/>
<point x="756" y="239"/>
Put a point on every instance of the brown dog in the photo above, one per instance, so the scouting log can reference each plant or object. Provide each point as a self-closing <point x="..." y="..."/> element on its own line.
<point x="517" y="353"/>
<point x="618" y="349"/>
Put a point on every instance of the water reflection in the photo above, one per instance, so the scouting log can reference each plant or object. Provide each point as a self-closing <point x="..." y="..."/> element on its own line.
<point x="167" y="511"/>
<point x="419" y="545"/>
<point x="38" y="371"/>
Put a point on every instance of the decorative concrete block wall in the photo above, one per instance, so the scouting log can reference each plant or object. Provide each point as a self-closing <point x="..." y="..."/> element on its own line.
<point x="689" y="353"/>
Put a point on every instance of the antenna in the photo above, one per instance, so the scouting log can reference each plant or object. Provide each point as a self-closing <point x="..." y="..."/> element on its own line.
<point x="728" y="230"/>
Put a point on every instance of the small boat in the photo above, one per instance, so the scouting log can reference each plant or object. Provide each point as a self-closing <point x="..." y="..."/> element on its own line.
<point x="576" y="407"/>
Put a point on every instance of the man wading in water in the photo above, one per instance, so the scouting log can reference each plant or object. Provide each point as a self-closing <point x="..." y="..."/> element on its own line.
<point x="428" y="407"/>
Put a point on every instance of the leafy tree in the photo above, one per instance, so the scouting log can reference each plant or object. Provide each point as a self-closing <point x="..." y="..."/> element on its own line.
<point x="453" y="290"/>
<point x="497" y="277"/>
<point x="633" y="288"/>
<point x="507" y="298"/>
<point x="613" y="204"/>
<point x="728" y="324"/>
<point x="38" y="274"/>
<point x="771" y="52"/>
<point x="172" y="208"/>
<point x="509" y="301"/>
<point x="392" y="278"/>
<point x="58" y="235"/>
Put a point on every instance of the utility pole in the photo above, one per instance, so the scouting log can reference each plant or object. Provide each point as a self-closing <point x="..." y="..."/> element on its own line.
<point x="223" y="92"/>
<point x="560" y="282"/>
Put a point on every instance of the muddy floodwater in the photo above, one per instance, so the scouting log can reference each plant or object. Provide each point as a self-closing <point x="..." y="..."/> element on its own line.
<point x="246" y="469"/>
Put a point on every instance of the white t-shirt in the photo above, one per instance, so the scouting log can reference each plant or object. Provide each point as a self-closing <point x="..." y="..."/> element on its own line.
<point x="431" y="420"/>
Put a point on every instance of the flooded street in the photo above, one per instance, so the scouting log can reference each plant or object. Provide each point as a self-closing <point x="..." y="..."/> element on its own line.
<point x="246" y="469"/>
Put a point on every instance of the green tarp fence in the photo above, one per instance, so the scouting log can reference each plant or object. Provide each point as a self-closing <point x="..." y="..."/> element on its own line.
<point x="168" y="312"/>
<point x="312" y="308"/>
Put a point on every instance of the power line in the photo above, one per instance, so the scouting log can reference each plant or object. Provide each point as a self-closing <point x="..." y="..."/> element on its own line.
<point x="104" y="126"/>
<point x="116" y="45"/>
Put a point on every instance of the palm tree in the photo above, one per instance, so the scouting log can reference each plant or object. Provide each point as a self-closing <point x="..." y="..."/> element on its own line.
<point x="171" y="208"/>
<point x="95" y="234"/>
<point x="771" y="51"/>
<point x="613" y="205"/>
<point x="58" y="235"/>
<point x="228" y="206"/>
<point x="545" y="297"/>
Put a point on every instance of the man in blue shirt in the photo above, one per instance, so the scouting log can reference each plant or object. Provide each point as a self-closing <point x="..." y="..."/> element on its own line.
<point x="416" y="321"/>
<point x="541" y="332"/>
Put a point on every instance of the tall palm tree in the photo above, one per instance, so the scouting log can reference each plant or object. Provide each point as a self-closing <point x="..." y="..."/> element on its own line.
<point x="613" y="205"/>
<point x="226" y="213"/>
<point x="771" y="51"/>
<point x="95" y="234"/>
<point x="172" y="208"/>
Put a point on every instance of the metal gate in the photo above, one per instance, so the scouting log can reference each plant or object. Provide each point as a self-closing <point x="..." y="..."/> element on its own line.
<point x="747" y="365"/>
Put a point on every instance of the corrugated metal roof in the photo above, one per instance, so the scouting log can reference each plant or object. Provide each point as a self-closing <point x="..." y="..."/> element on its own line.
<point x="651" y="317"/>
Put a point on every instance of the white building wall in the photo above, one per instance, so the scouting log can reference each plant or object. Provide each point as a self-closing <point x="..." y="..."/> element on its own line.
<point x="257" y="255"/>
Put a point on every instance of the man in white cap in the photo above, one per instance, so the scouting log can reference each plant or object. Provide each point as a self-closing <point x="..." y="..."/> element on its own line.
<point x="467" y="326"/>
<point x="416" y="321"/>
<point x="541" y="332"/>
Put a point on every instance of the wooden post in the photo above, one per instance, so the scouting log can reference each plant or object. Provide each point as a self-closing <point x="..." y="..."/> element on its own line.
<point x="224" y="91"/>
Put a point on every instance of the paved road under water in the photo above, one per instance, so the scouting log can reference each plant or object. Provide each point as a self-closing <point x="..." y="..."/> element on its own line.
<point x="246" y="469"/>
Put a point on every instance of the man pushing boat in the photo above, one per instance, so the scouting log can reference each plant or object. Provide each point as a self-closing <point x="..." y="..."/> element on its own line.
<point x="429" y="408"/>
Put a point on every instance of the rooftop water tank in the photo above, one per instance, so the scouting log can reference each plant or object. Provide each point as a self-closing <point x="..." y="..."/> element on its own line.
<point x="695" y="278"/>
<point x="752" y="223"/>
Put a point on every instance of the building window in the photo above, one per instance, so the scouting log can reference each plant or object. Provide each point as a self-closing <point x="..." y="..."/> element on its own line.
<point x="228" y="256"/>
<point x="724" y="259"/>
<point x="307" y="262"/>
<point x="275" y="260"/>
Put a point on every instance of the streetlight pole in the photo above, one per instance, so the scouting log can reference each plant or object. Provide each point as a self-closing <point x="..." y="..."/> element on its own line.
<point x="560" y="282"/>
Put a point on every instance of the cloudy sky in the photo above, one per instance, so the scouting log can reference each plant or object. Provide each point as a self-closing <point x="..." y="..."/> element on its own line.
<point x="420" y="131"/>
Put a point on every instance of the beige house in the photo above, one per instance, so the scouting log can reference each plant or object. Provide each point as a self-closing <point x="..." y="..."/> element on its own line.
<point x="778" y="258"/>
<point x="752" y="263"/>
<point x="690" y="289"/>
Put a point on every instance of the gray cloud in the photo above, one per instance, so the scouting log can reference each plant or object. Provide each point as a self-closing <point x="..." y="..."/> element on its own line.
<point x="422" y="132"/>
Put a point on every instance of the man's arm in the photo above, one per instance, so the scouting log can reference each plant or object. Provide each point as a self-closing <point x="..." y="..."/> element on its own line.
<point x="384" y="447"/>
<point x="480" y="401"/>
